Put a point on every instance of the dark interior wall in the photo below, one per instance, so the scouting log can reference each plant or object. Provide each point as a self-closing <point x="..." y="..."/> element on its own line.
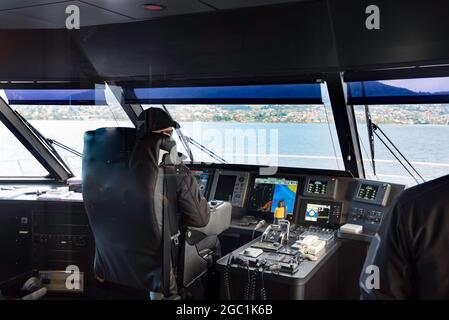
<point x="411" y="33"/>
<point x="42" y="55"/>
<point x="288" y="40"/>
<point x="279" y="40"/>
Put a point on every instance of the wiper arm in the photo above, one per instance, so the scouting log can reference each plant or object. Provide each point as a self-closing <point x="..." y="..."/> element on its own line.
<point x="186" y="141"/>
<point x="205" y="150"/>
<point x="64" y="147"/>
<point x="375" y="128"/>
<point x="372" y="130"/>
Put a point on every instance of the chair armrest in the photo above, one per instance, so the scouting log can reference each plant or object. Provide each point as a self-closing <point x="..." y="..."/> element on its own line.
<point x="220" y="218"/>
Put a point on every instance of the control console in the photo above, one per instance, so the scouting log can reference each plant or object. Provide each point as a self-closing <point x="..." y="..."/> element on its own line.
<point x="369" y="203"/>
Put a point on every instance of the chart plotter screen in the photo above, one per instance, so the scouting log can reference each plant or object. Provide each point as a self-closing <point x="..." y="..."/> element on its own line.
<point x="318" y="213"/>
<point x="269" y="192"/>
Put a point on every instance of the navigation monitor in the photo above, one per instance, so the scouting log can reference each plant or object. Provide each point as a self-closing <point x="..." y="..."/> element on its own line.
<point x="321" y="213"/>
<point x="230" y="186"/>
<point x="368" y="192"/>
<point x="320" y="187"/>
<point x="317" y="186"/>
<point x="202" y="176"/>
<point x="225" y="187"/>
<point x="372" y="192"/>
<point x="268" y="193"/>
<point x="318" y="213"/>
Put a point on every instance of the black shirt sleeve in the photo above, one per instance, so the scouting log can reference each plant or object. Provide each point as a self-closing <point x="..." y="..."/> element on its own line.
<point x="193" y="207"/>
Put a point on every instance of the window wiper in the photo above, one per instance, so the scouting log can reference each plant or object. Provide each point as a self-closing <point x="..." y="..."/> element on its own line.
<point x="203" y="148"/>
<point x="187" y="141"/>
<point x="373" y="129"/>
<point x="64" y="147"/>
<point x="369" y="124"/>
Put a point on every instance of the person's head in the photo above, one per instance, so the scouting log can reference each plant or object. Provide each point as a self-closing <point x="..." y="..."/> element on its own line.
<point x="156" y="121"/>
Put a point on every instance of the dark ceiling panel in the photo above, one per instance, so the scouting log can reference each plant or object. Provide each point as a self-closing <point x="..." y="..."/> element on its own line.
<point x="55" y="14"/>
<point x="14" y="21"/>
<point x="12" y="4"/>
<point x="136" y="10"/>
<point x="42" y="55"/>
<point x="244" y="42"/>
<point x="234" y="4"/>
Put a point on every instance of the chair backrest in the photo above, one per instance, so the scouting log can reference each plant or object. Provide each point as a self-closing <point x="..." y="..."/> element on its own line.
<point x="119" y="191"/>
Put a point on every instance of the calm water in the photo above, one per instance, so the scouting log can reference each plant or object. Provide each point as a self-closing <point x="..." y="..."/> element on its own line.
<point x="295" y="145"/>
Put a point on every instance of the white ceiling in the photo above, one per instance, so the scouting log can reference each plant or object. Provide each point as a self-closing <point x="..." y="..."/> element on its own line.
<point x="45" y="14"/>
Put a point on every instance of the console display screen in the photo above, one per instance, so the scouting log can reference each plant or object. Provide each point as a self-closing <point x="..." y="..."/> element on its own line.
<point x="225" y="187"/>
<point x="269" y="193"/>
<point x="202" y="176"/>
<point x="317" y="186"/>
<point x="368" y="192"/>
<point x="319" y="213"/>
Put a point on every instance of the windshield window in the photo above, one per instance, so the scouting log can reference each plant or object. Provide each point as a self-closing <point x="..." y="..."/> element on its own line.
<point x="419" y="131"/>
<point x="269" y="134"/>
<point x="67" y="124"/>
<point x="15" y="159"/>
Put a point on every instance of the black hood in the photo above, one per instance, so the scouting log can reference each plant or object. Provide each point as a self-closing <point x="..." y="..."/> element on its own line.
<point x="154" y="119"/>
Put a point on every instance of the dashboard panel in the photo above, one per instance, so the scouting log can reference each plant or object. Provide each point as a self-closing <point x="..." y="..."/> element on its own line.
<point x="321" y="198"/>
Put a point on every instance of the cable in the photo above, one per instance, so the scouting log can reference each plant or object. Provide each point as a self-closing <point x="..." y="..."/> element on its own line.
<point x="263" y="292"/>
<point x="246" y="289"/>
<point x="332" y="139"/>
<point x="367" y="156"/>
<point x="226" y="279"/>
<point x="394" y="146"/>
<point x="394" y="155"/>
<point x="253" y="279"/>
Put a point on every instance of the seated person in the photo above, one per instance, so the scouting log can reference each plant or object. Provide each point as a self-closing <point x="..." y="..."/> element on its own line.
<point x="154" y="140"/>
<point x="411" y="249"/>
<point x="159" y="126"/>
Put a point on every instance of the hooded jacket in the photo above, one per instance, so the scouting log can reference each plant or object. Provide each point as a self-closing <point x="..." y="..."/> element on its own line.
<point x="122" y="192"/>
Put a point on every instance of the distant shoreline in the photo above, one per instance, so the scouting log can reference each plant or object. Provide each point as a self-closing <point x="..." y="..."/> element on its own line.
<point x="246" y="122"/>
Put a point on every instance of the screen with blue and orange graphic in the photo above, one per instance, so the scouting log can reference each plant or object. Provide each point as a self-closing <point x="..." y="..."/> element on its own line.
<point x="269" y="193"/>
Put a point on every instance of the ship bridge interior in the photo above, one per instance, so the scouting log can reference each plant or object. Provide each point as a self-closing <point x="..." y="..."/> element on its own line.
<point x="298" y="125"/>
